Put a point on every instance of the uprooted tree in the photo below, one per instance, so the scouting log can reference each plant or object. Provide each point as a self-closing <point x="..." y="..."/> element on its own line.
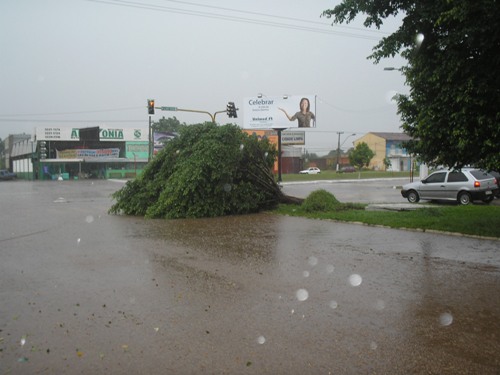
<point x="207" y="171"/>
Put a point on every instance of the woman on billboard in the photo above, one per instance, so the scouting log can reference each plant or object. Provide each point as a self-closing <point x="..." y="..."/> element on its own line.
<point x="304" y="116"/>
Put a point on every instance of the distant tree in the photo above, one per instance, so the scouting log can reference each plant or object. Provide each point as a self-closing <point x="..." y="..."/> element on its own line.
<point x="171" y="124"/>
<point x="452" y="112"/>
<point x="207" y="171"/>
<point x="312" y="156"/>
<point x="387" y="163"/>
<point x="361" y="155"/>
<point x="332" y="153"/>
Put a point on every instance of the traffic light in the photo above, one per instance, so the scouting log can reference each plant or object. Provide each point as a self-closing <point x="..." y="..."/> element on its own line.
<point x="231" y="110"/>
<point x="151" y="106"/>
<point x="43" y="150"/>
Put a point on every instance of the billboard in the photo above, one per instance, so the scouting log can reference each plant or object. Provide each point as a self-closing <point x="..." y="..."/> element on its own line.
<point x="293" y="138"/>
<point x="279" y="112"/>
<point x="56" y="133"/>
<point x="160" y="138"/>
<point x="103" y="153"/>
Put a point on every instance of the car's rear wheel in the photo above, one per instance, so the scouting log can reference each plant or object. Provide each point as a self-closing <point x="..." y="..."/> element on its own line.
<point x="464" y="198"/>
<point x="413" y="196"/>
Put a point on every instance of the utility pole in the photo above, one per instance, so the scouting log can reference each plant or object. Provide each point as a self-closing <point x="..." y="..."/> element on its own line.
<point x="150" y="140"/>
<point x="338" y="151"/>
<point x="151" y="111"/>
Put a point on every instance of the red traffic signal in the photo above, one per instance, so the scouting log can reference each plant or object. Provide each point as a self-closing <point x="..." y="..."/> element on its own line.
<point x="151" y="106"/>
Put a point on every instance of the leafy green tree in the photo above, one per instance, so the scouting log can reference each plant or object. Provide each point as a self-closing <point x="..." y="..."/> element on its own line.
<point x="207" y="171"/>
<point x="387" y="163"/>
<point x="361" y="155"/>
<point x="311" y="155"/>
<point x="334" y="153"/>
<point x="451" y="46"/>
<point x="171" y="124"/>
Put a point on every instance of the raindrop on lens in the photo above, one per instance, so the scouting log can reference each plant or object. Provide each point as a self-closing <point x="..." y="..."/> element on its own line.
<point x="373" y="345"/>
<point x="261" y="340"/>
<point x="89" y="219"/>
<point x="78" y="241"/>
<point x="242" y="147"/>
<point x="333" y="304"/>
<point x="355" y="280"/>
<point x="380" y="305"/>
<point x="305" y="273"/>
<point x="445" y="319"/>
<point x="227" y="188"/>
<point x="419" y="39"/>
<point x="330" y="268"/>
<point x="302" y="294"/>
<point x="313" y="261"/>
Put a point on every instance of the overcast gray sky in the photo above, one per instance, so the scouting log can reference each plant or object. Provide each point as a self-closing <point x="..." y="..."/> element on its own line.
<point x="78" y="63"/>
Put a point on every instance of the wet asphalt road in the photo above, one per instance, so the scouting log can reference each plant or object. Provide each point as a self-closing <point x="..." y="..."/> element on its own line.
<point x="362" y="191"/>
<point x="84" y="292"/>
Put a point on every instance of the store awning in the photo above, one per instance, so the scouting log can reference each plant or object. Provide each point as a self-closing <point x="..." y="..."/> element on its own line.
<point x="91" y="160"/>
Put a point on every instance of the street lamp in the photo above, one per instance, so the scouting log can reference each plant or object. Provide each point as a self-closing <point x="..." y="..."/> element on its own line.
<point x="340" y="145"/>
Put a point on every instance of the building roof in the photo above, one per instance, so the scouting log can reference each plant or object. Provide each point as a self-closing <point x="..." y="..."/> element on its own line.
<point x="393" y="136"/>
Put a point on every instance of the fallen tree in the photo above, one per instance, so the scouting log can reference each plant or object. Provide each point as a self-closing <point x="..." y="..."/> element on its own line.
<point x="207" y="171"/>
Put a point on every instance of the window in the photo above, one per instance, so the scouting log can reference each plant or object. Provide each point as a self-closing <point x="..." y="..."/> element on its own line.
<point x="480" y="175"/>
<point x="436" y="177"/>
<point x="457" y="176"/>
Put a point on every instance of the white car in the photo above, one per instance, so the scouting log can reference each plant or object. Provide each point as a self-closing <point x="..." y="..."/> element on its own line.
<point x="310" y="170"/>
<point x="464" y="186"/>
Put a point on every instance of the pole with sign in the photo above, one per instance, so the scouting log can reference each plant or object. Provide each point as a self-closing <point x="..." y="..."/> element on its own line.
<point x="279" y="130"/>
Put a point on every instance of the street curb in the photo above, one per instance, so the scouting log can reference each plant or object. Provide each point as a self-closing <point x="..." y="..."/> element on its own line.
<point x="431" y="231"/>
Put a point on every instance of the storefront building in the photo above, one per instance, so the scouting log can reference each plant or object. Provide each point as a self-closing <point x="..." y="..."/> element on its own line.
<point x="60" y="153"/>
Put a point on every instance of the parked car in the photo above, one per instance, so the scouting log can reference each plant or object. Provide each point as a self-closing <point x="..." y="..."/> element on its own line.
<point x="6" y="175"/>
<point x="464" y="186"/>
<point x="348" y="169"/>
<point x="311" y="170"/>
<point x="497" y="176"/>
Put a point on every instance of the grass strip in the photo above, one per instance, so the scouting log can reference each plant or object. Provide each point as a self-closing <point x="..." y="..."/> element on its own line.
<point x="476" y="220"/>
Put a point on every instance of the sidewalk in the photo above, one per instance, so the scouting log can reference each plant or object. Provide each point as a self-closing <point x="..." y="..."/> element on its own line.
<point x="409" y="206"/>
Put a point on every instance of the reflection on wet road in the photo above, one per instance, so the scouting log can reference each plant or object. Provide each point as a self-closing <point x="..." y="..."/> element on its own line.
<point x="86" y="292"/>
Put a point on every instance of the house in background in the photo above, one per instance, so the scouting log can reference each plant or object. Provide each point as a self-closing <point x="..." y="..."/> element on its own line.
<point x="387" y="145"/>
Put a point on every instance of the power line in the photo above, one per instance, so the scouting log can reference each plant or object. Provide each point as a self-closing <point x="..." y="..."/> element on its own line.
<point x="72" y="113"/>
<point x="153" y="7"/>
<point x="272" y="16"/>
<point x="71" y="121"/>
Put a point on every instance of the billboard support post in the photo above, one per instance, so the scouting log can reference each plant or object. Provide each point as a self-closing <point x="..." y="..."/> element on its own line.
<point x="279" y="130"/>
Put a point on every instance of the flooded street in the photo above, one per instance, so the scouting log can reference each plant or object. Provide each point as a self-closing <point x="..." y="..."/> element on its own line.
<point x="85" y="292"/>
